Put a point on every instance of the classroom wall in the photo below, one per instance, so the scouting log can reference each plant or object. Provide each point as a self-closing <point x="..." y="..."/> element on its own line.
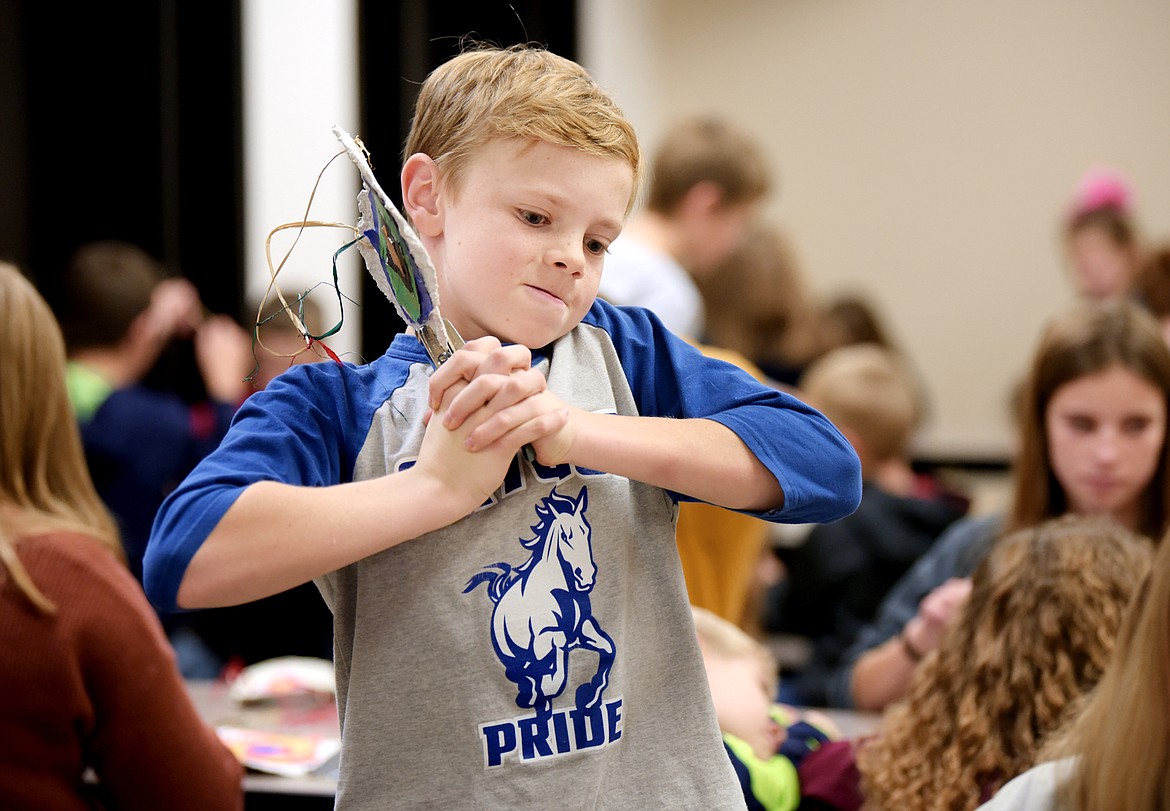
<point x="925" y="151"/>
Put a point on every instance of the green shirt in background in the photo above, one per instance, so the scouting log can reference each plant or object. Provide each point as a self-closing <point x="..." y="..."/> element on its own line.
<point x="87" y="390"/>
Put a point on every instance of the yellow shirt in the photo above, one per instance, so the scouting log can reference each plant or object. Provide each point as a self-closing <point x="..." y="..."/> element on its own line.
<point x="720" y="548"/>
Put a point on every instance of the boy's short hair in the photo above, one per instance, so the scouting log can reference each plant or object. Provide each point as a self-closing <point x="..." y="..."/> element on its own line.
<point x="706" y="149"/>
<point x="724" y="639"/>
<point x="524" y="92"/>
<point x="867" y="389"/>
<point x="108" y="284"/>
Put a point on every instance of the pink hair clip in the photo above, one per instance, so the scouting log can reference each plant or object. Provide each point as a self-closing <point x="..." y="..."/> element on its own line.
<point x="1101" y="187"/>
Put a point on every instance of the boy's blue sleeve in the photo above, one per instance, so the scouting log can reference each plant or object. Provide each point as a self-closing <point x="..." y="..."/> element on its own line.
<point x="304" y="429"/>
<point x="815" y="465"/>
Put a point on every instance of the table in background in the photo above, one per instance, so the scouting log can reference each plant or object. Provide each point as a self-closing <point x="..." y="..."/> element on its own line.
<point x="292" y="716"/>
<point x="852" y="723"/>
<point x="277" y="792"/>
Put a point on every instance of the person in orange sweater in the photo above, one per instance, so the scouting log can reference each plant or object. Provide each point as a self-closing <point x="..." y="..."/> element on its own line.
<point x="93" y="711"/>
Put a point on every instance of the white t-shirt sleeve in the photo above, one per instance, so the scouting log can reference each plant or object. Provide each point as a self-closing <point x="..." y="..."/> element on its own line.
<point x="638" y="275"/>
<point x="1034" y="790"/>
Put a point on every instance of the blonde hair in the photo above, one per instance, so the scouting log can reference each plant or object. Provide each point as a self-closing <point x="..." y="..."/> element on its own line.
<point x="44" y="482"/>
<point x="727" y="641"/>
<point x="707" y="149"/>
<point x="524" y="92"/>
<point x="1086" y="340"/>
<point x="869" y="390"/>
<point x="1034" y="635"/>
<point x="1120" y="736"/>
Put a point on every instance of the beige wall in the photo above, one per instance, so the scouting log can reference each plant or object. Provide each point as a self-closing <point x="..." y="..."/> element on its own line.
<point x="925" y="149"/>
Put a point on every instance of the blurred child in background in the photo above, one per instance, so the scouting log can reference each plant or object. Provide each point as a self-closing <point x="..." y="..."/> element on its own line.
<point x="1034" y="636"/>
<point x="1101" y="242"/>
<point x="120" y="311"/>
<point x="757" y="304"/>
<point x="836" y="578"/>
<point x="1114" y="752"/>
<point x="1154" y="287"/>
<point x="765" y="741"/>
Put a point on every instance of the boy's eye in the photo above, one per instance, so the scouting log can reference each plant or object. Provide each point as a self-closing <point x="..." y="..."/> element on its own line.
<point x="595" y="246"/>
<point x="532" y="218"/>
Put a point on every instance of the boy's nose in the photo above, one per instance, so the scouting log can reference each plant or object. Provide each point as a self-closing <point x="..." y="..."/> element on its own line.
<point x="566" y="257"/>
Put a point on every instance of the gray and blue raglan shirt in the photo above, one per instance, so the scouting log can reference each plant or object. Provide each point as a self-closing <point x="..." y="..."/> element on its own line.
<point x="539" y="652"/>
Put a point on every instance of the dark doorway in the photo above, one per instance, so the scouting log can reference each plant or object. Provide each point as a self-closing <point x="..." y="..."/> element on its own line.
<point x="125" y="122"/>
<point x="127" y="126"/>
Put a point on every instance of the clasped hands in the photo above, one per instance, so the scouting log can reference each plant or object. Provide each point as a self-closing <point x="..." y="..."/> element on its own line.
<point x="486" y="403"/>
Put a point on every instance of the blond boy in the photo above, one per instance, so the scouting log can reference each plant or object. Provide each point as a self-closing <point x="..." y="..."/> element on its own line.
<point x="837" y="578"/>
<point x="509" y="633"/>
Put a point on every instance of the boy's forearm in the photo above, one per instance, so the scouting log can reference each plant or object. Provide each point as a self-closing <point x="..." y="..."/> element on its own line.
<point x="277" y="536"/>
<point x="696" y="457"/>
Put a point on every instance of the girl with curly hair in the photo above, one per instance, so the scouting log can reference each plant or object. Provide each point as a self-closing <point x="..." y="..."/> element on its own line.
<point x="1114" y="753"/>
<point x="1034" y="635"/>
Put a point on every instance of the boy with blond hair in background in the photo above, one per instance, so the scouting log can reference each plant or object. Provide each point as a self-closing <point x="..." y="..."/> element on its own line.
<point x="707" y="181"/>
<point x="836" y="579"/>
<point x="765" y="741"/>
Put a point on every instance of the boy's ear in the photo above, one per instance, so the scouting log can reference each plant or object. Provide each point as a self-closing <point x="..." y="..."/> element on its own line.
<point x="703" y="198"/>
<point x="420" y="194"/>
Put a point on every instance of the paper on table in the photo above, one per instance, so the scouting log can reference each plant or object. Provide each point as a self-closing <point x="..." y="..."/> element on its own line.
<point x="290" y="755"/>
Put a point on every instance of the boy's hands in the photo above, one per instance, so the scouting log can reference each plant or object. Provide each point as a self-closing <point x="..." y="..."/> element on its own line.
<point x="486" y="368"/>
<point x="487" y="403"/>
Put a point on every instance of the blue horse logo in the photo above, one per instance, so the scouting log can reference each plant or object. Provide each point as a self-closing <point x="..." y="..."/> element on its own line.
<point x="542" y="609"/>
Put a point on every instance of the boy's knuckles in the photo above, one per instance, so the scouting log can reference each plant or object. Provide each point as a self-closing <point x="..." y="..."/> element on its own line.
<point x="516" y="387"/>
<point x="486" y="343"/>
